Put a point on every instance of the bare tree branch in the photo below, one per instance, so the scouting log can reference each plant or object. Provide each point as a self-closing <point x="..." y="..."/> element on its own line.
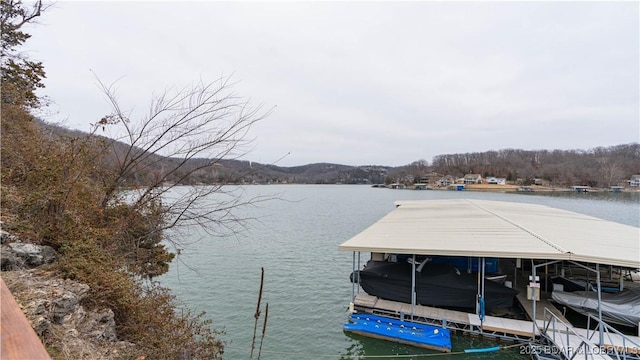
<point x="186" y="132"/>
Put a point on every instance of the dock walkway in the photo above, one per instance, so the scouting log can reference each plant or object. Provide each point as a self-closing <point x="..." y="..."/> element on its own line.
<point x="564" y="336"/>
<point x="570" y="338"/>
<point x="544" y="302"/>
<point x="629" y="344"/>
<point x="492" y="326"/>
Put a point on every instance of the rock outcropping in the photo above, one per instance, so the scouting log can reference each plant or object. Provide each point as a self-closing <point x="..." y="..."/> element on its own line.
<point x="54" y="306"/>
<point x="18" y="255"/>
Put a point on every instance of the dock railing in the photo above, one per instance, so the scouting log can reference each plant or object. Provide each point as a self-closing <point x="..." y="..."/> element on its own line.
<point x="567" y="341"/>
<point x="614" y="343"/>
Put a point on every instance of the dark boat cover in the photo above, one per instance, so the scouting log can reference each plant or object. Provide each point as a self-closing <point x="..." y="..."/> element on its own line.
<point x="436" y="285"/>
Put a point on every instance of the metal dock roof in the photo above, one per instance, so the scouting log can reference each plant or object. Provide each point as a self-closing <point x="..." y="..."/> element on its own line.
<point x="482" y="228"/>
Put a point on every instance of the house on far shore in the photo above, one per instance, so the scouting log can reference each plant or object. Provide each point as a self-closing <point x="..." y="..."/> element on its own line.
<point x="473" y="179"/>
<point x="431" y="179"/>
<point x="635" y="181"/>
<point x="446" y="181"/>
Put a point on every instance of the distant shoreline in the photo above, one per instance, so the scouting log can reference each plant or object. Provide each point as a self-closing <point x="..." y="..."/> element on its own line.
<point x="518" y="188"/>
<point x="537" y="188"/>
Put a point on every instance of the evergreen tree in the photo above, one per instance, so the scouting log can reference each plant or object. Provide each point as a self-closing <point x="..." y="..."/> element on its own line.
<point x="20" y="75"/>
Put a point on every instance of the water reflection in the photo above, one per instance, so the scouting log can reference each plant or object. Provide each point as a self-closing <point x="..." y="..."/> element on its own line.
<point x="632" y="197"/>
<point x="623" y="207"/>
<point x="364" y="347"/>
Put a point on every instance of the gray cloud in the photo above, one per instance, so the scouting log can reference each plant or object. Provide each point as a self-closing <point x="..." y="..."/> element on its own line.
<point x="364" y="82"/>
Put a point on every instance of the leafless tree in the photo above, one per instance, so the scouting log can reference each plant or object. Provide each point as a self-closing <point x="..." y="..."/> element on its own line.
<point x="611" y="173"/>
<point x="186" y="132"/>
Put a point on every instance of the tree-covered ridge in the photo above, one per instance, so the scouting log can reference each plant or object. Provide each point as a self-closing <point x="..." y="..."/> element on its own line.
<point x="598" y="167"/>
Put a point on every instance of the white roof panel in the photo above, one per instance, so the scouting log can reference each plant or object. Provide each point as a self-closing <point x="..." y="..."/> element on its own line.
<point x="478" y="228"/>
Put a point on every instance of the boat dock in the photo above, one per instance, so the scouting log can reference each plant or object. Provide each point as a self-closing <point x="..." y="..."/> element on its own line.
<point x="492" y="326"/>
<point x="495" y="326"/>
<point x="553" y="329"/>
<point x="533" y="239"/>
<point x="551" y="324"/>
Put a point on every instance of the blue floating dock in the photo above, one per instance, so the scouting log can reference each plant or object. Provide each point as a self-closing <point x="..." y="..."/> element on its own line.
<point x="403" y="332"/>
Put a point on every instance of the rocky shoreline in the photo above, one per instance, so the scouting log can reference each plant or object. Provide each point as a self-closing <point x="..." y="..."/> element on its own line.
<point x="56" y="307"/>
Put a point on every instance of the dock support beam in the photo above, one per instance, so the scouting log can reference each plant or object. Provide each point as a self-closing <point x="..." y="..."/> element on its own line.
<point x="601" y="325"/>
<point x="353" y="274"/>
<point x="599" y="289"/>
<point x="413" y="285"/>
<point x="358" y="289"/>
<point x="533" y="295"/>
<point x="482" y="271"/>
<point x="535" y="288"/>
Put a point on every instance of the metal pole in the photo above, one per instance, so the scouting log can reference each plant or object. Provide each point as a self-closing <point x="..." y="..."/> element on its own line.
<point x="353" y="273"/>
<point x="482" y="294"/>
<point x="358" y="273"/>
<point x="610" y="272"/>
<point x="621" y="282"/>
<point x="587" y="287"/>
<point x="478" y="289"/>
<point x="413" y="285"/>
<point x="483" y="273"/>
<point x="601" y="343"/>
<point x="533" y="293"/>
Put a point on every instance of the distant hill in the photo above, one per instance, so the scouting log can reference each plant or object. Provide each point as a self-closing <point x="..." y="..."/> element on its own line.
<point x="597" y="167"/>
<point x="248" y="172"/>
<point x="321" y="173"/>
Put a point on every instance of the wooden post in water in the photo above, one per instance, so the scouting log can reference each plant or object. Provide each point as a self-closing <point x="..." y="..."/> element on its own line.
<point x="264" y="328"/>
<point x="257" y="313"/>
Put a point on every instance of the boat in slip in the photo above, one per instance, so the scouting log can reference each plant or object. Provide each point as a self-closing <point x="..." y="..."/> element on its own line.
<point x="436" y="284"/>
<point x="400" y="331"/>
<point x="472" y="265"/>
<point x="622" y="308"/>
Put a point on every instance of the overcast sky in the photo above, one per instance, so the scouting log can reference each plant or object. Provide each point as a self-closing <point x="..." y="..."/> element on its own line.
<point x="360" y="83"/>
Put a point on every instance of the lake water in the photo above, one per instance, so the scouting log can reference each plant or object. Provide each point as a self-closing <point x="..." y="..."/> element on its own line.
<point x="307" y="279"/>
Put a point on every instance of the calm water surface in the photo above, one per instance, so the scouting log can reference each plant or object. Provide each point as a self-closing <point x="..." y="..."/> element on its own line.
<point x="307" y="279"/>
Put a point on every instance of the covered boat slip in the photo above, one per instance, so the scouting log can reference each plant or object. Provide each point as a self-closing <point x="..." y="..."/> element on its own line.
<point x="526" y="234"/>
<point x="481" y="228"/>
